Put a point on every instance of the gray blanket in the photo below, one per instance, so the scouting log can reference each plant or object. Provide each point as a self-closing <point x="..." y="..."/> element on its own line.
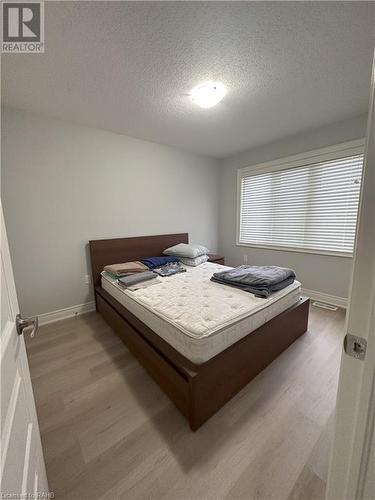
<point x="259" y="280"/>
<point x="135" y="278"/>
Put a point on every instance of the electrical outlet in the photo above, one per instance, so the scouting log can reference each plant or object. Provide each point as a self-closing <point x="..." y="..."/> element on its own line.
<point x="245" y="259"/>
<point x="87" y="279"/>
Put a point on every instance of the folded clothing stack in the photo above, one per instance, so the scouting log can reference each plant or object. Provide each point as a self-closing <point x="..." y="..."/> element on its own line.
<point x="190" y="255"/>
<point x="131" y="275"/>
<point x="164" y="265"/>
<point x="259" y="280"/>
<point x="170" y="269"/>
<point x="154" y="262"/>
<point x="125" y="269"/>
<point x="136" y="279"/>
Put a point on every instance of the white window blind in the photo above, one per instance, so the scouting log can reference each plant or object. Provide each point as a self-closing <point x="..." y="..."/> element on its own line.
<point x="311" y="207"/>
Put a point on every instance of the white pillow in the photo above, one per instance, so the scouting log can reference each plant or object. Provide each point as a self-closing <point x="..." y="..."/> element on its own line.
<point x="185" y="250"/>
<point x="194" y="262"/>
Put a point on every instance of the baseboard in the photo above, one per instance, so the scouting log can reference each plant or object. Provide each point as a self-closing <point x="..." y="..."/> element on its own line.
<point x="325" y="297"/>
<point x="68" y="312"/>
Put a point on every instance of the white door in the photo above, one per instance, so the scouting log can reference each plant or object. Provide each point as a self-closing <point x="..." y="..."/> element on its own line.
<point x="23" y="472"/>
<point x="352" y="471"/>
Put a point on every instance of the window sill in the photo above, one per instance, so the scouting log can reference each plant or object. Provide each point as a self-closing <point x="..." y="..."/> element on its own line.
<point x="297" y="250"/>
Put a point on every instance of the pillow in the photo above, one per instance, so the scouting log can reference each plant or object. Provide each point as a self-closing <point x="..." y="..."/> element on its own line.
<point x="194" y="262"/>
<point x="185" y="250"/>
<point x="152" y="262"/>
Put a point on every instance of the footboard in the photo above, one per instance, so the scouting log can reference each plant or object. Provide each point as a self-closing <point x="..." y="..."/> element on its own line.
<point x="199" y="391"/>
<point x="222" y="377"/>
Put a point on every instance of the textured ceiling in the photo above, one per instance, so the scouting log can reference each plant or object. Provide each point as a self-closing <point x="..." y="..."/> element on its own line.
<point x="129" y="66"/>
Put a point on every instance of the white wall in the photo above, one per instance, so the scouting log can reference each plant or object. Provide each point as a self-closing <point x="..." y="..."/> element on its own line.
<point x="326" y="274"/>
<point x="63" y="185"/>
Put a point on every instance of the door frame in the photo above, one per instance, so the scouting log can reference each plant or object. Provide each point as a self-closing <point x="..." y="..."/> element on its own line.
<point x="355" y="409"/>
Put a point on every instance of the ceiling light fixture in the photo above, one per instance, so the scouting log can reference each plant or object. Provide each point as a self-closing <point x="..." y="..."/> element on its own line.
<point x="208" y="94"/>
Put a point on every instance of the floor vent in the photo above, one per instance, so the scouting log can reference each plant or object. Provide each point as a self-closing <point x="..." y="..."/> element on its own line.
<point x="323" y="305"/>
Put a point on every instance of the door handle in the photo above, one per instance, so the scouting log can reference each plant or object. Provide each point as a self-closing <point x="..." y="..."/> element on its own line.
<point x="24" y="323"/>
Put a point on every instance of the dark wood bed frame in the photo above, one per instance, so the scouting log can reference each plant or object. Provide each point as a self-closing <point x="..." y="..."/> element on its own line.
<point x="198" y="391"/>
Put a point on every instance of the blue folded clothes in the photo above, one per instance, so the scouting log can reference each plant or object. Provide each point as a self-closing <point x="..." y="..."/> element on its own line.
<point x="152" y="262"/>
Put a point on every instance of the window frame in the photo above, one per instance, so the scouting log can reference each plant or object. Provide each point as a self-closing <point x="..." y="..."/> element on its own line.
<point x="303" y="159"/>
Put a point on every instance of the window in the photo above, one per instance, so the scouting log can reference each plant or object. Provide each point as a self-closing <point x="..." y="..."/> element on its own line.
<point x="306" y="203"/>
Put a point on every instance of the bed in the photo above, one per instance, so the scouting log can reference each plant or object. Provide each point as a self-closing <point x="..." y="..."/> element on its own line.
<point x="202" y="342"/>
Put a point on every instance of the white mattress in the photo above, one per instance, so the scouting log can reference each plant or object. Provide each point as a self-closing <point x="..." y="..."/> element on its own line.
<point x="198" y="317"/>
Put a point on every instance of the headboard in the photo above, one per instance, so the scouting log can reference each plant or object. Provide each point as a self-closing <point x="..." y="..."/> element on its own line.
<point x="117" y="250"/>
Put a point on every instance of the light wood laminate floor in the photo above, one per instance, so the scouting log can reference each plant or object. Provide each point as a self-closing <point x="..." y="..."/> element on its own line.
<point x="109" y="432"/>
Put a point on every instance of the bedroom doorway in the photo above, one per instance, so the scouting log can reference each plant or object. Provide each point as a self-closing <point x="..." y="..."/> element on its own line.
<point x="352" y="471"/>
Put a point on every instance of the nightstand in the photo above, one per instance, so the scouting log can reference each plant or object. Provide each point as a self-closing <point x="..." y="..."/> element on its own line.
<point x="217" y="259"/>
